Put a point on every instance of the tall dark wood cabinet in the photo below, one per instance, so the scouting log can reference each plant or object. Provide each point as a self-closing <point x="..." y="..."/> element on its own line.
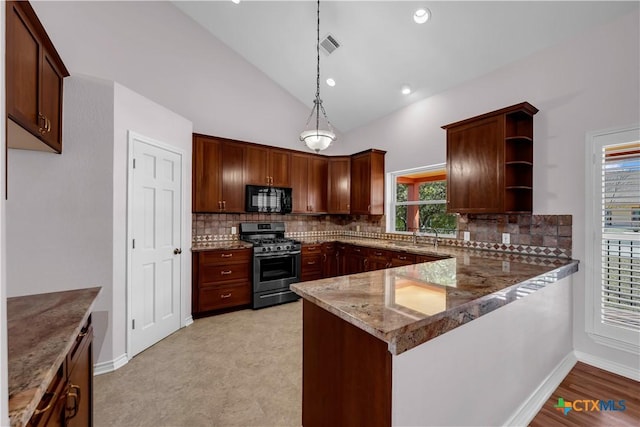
<point x="309" y="183"/>
<point x="218" y="175"/>
<point x="490" y="162"/>
<point x="339" y="187"/>
<point x="367" y="176"/>
<point x="34" y="78"/>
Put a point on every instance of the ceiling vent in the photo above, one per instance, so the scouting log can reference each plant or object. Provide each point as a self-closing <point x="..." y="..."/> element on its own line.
<point x="329" y="44"/>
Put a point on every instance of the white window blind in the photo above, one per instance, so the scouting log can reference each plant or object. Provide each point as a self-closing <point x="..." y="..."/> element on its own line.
<point x="620" y="236"/>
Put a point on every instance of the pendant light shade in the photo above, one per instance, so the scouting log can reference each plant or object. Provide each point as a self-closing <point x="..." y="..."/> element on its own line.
<point x="318" y="134"/>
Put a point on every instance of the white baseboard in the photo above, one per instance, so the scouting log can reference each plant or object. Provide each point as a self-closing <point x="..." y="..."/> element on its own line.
<point x="188" y="321"/>
<point x="532" y="405"/>
<point x="608" y="365"/>
<point x="111" y="365"/>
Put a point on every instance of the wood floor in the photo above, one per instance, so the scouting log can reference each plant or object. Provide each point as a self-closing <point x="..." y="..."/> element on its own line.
<point x="587" y="383"/>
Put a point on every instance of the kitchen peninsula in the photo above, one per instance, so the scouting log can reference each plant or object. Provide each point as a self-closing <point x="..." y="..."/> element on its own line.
<point x="459" y="341"/>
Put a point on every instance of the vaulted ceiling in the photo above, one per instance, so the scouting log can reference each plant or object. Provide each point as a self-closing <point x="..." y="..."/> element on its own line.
<point x="382" y="49"/>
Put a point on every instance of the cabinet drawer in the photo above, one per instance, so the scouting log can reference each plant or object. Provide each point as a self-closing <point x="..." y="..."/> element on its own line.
<point x="48" y="410"/>
<point x="213" y="274"/>
<point x="378" y="255"/>
<point x="312" y="249"/>
<point x="398" y="259"/>
<point x="224" y="297"/>
<point x="232" y="256"/>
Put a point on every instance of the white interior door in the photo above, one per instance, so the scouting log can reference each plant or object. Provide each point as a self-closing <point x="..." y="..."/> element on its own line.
<point x="154" y="281"/>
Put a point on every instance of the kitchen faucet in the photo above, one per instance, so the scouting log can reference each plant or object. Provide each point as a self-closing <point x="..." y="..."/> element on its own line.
<point x="435" y="231"/>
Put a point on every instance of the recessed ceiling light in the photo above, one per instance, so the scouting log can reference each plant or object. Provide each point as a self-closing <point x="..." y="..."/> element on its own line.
<point x="236" y="1"/>
<point x="421" y="16"/>
<point x="406" y="90"/>
<point x="331" y="82"/>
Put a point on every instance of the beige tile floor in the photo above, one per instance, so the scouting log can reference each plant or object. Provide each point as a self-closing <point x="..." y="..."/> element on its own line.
<point x="236" y="369"/>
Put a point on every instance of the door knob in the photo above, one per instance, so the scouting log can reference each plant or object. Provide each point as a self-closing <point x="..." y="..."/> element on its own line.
<point x="177" y="251"/>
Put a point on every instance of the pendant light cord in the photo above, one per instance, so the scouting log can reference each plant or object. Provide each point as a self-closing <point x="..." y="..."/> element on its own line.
<point x="318" y="102"/>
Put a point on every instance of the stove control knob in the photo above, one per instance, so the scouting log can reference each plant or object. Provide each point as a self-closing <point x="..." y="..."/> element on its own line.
<point x="287" y="247"/>
<point x="264" y="249"/>
<point x="278" y="248"/>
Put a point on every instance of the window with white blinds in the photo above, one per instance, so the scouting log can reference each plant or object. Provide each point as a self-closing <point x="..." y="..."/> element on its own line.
<point x="613" y="253"/>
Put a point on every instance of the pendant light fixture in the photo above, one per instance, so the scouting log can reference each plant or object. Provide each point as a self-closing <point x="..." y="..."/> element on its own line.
<point x="318" y="133"/>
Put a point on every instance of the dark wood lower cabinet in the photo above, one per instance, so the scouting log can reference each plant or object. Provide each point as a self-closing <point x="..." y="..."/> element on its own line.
<point x="69" y="399"/>
<point x="329" y="259"/>
<point x="346" y="373"/>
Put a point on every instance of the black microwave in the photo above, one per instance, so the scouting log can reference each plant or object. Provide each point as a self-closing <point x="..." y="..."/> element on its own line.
<point x="268" y="199"/>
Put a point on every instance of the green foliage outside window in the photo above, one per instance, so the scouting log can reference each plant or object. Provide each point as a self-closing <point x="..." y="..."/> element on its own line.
<point x="432" y="215"/>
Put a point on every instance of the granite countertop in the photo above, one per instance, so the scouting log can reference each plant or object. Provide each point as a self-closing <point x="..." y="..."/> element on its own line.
<point x="220" y="244"/>
<point x="41" y="330"/>
<point x="407" y="306"/>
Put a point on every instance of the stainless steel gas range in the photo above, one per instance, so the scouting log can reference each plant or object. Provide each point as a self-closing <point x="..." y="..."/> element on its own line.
<point x="276" y="262"/>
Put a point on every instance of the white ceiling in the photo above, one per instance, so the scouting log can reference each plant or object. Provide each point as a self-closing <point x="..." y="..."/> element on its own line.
<point x="382" y="48"/>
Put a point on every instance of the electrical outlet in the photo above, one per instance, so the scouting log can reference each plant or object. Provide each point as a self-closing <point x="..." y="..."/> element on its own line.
<point x="506" y="266"/>
<point x="467" y="236"/>
<point x="357" y="228"/>
<point x="506" y="238"/>
<point x="233" y="230"/>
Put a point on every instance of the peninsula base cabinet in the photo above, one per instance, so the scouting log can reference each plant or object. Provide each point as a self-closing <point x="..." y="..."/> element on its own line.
<point x="346" y="373"/>
<point x="69" y="399"/>
<point x="352" y="378"/>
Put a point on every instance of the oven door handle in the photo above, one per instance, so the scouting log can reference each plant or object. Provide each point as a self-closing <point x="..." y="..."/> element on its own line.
<point x="273" y="254"/>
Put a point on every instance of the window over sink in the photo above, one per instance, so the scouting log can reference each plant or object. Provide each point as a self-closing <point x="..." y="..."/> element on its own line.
<point x="417" y="202"/>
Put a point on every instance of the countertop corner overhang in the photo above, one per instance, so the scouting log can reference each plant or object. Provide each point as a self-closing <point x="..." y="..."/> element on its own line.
<point x="452" y="292"/>
<point x="41" y="330"/>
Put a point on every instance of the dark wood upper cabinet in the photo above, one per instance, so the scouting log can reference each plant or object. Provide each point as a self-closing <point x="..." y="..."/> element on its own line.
<point x="490" y="162"/>
<point x="34" y="78"/>
<point x="309" y="183"/>
<point x="367" y="176"/>
<point x="267" y="166"/>
<point x="218" y="175"/>
<point x="339" y="187"/>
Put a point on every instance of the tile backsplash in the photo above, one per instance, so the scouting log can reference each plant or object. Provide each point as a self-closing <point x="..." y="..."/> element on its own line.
<point x="529" y="234"/>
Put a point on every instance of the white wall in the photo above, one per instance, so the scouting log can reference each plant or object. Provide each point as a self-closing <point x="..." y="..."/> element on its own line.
<point x="480" y="373"/>
<point x="135" y="113"/>
<point x="67" y="213"/>
<point x="585" y="84"/>
<point x="60" y="207"/>
<point x="157" y="51"/>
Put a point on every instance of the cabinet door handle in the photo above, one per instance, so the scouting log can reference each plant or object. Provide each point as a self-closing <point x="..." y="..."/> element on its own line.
<point x="76" y="400"/>
<point x="48" y="125"/>
<point x="271" y="180"/>
<point x="324" y="257"/>
<point x="177" y="251"/>
<point x="311" y="248"/>
<point x="46" y="408"/>
<point x="226" y="272"/>
<point x="368" y="208"/>
<point x="224" y="205"/>
<point x="402" y="257"/>
<point x="219" y="205"/>
<point x="226" y="295"/>
<point x="226" y="255"/>
<point x="377" y="253"/>
<point x="41" y="129"/>
<point x="83" y="333"/>
<point x="310" y="262"/>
